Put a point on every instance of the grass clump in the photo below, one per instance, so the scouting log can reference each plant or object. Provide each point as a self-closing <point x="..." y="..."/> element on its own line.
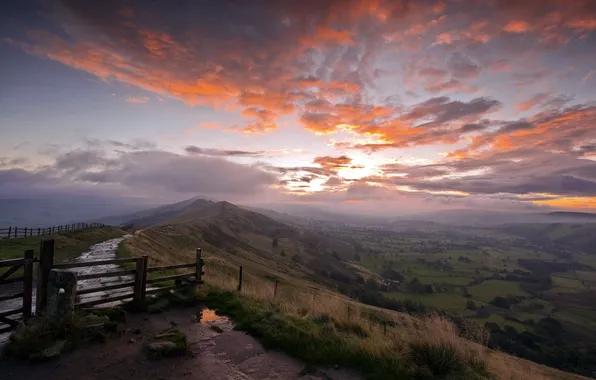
<point x="326" y="340"/>
<point x="167" y="343"/>
<point x="43" y="339"/>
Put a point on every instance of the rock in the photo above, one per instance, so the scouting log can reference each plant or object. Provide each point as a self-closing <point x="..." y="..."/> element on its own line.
<point x="51" y="352"/>
<point x="158" y="306"/>
<point x="216" y="328"/>
<point x="136" y="331"/>
<point x="131" y="340"/>
<point x="163" y="348"/>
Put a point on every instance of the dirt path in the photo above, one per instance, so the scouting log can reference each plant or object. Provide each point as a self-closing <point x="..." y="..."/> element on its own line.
<point x="225" y="355"/>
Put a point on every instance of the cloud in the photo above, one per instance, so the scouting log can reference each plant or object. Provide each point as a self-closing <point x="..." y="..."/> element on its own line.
<point x="137" y="99"/>
<point x="333" y="163"/>
<point x="529" y="78"/>
<point x="452" y="85"/>
<point x="517" y="26"/>
<point x="371" y="74"/>
<point x="588" y="76"/>
<point x="195" y="150"/>
<point x="516" y="172"/>
<point x="462" y="66"/>
<point x="543" y="100"/>
<point x="150" y="172"/>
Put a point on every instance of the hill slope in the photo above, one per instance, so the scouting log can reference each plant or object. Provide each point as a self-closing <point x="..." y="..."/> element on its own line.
<point x="231" y="236"/>
<point x="242" y="237"/>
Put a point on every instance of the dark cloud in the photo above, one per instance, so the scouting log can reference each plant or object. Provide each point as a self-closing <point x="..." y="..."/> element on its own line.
<point x="155" y="172"/>
<point x="467" y="128"/>
<point x="515" y="126"/>
<point x="443" y="110"/>
<point x="516" y="172"/>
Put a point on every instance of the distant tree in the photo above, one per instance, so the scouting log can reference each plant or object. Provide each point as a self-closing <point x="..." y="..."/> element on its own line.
<point x="465" y="292"/>
<point x="392" y="274"/>
<point x="274" y="243"/>
<point x="283" y="253"/>
<point x="470" y="305"/>
<point x="482" y="312"/>
<point x="334" y="254"/>
<point x="500" y="302"/>
<point x="297" y="259"/>
<point x="428" y="289"/>
<point x="371" y="285"/>
<point x="357" y="257"/>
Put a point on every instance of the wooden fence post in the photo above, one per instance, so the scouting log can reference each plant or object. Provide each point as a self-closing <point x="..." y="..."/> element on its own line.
<point x="9" y="231"/>
<point x="25" y="231"/>
<point x="140" y="279"/>
<point x="16" y="229"/>
<point x="199" y="267"/>
<point x="27" y="284"/>
<point x="240" y="279"/>
<point x="46" y="262"/>
<point x="38" y="231"/>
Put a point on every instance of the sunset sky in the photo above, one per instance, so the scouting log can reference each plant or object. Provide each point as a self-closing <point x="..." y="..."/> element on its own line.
<point x="357" y="105"/>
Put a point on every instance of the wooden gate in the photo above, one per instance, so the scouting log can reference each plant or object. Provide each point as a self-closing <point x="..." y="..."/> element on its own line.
<point x="23" y="289"/>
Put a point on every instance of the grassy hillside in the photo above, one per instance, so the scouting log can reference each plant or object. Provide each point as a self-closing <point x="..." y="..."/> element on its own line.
<point x="305" y="316"/>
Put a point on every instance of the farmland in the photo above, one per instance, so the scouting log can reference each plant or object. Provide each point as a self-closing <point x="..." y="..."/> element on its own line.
<point x="469" y="273"/>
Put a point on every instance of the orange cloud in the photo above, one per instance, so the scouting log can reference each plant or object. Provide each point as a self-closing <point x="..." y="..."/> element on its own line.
<point x="333" y="163"/>
<point x="569" y="202"/>
<point x="209" y="125"/>
<point x="517" y="26"/>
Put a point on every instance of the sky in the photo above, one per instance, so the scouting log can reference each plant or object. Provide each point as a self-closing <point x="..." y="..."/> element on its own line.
<point x="377" y="106"/>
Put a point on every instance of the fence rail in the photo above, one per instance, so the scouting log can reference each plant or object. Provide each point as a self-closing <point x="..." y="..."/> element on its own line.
<point x="46" y="264"/>
<point x="22" y="232"/>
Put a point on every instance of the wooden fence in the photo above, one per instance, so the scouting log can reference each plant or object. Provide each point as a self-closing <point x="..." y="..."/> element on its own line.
<point x="46" y="264"/>
<point x="21" y="232"/>
<point x="25" y="293"/>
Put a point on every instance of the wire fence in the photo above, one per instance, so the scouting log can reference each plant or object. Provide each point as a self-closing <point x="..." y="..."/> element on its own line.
<point x="23" y="232"/>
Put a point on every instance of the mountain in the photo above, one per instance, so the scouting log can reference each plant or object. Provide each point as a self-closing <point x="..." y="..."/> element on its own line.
<point x="243" y="237"/>
<point x="157" y="215"/>
<point x="573" y="215"/>
<point x="576" y="236"/>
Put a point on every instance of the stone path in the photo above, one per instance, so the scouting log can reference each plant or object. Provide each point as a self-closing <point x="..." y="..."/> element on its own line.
<point x="216" y="353"/>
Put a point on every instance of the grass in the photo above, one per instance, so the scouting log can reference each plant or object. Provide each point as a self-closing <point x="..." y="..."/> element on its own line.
<point x="67" y="245"/>
<point x="29" y="341"/>
<point x="322" y="327"/>
<point x="123" y="252"/>
<point x="563" y="282"/>
<point x="322" y="339"/>
<point x="488" y="290"/>
<point x="445" y="301"/>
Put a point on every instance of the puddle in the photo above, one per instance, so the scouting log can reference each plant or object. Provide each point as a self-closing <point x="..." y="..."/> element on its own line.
<point x="208" y="315"/>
